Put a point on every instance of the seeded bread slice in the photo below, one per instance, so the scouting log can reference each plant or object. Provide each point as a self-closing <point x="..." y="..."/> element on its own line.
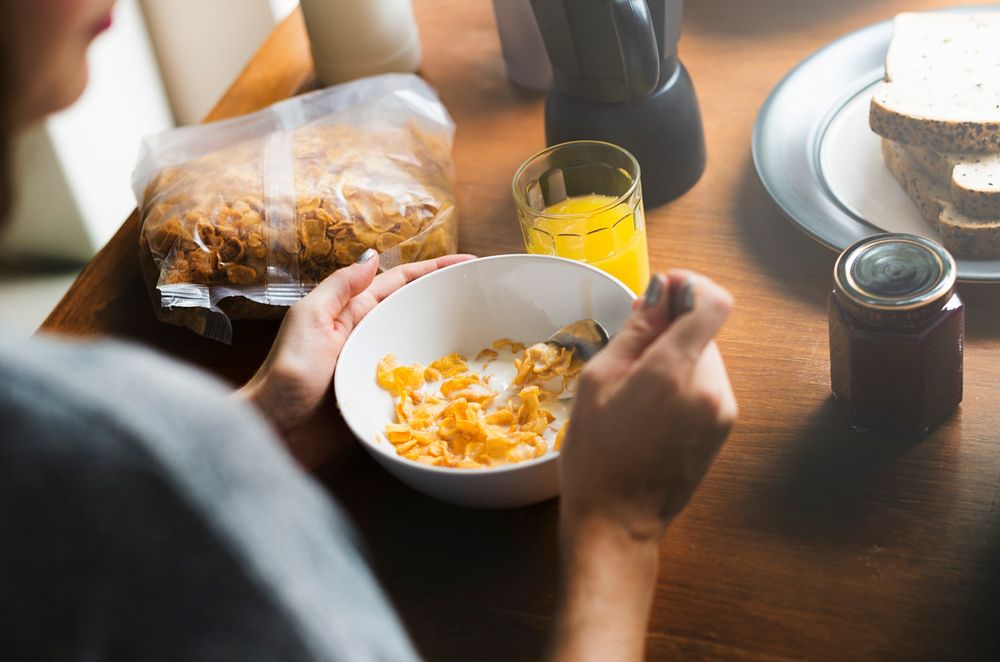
<point x="960" y="234"/>
<point x="942" y="82"/>
<point x="974" y="179"/>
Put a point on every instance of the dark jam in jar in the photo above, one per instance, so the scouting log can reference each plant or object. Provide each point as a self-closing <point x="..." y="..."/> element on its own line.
<point x="897" y="328"/>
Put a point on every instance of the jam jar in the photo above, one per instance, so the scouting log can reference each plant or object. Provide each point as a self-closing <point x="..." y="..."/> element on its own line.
<point x="897" y="330"/>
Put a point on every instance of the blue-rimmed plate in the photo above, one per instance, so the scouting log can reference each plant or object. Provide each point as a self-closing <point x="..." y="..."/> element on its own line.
<point x="819" y="160"/>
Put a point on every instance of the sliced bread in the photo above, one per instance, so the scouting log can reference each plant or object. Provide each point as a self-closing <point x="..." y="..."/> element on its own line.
<point x="942" y="82"/>
<point x="974" y="179"/>
<point x="960" y="234"/>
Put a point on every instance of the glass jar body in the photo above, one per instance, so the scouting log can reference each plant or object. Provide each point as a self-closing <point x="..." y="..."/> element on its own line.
<point x="897" y="379"/>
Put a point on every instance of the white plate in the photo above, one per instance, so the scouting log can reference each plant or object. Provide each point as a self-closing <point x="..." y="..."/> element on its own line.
<point x="820" y="161"/>
<point x="464" y="308"/>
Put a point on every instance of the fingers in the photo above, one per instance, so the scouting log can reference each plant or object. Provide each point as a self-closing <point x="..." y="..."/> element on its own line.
<point x="711" y="376"/>
<point x="335" y="291"/>
<point x="686" y="338"/>
<point x="385" y="284"/>
<point x="711" y="306"/>
<point x="712" y="394"/>
<point x="390" y="281"/>
<point x="650" y="317"/>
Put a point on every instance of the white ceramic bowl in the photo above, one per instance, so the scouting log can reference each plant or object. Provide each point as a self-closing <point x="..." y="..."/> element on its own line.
<point x="464" y="308"/>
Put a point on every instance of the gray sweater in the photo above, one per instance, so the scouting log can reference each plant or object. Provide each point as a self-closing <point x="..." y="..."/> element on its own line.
<point x="145" y="515"/>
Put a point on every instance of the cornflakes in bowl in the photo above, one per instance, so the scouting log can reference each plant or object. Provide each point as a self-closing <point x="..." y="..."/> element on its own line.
<point x="443" y="322"/>
<point x="510" y="405"/>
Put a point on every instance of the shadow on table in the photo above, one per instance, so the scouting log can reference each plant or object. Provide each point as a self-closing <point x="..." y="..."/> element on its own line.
<point x="982" y="312"/>
<point x="767" y="16"/>
<point x="974" y="606"/>
<point x="796" y="265"/>
<point x="463" y="580"/>
<point x="800" y="267"/>
<point x="836" y="488"/>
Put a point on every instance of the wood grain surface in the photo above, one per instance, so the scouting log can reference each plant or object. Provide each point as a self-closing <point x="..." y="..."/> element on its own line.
<point x="805" y="541"/>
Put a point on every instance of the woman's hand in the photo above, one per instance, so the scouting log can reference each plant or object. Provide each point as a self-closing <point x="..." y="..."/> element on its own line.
<point x="650" y="413"/>
<point x="296" y="377"/>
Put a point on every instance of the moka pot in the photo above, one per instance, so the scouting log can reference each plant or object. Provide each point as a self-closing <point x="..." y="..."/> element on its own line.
<point x="617" y="78"/>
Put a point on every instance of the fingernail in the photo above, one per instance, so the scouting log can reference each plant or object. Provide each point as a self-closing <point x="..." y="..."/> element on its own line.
<point x="653" y="291"/>
<point x="367" y="255"/>
<point x="683" y="301"/>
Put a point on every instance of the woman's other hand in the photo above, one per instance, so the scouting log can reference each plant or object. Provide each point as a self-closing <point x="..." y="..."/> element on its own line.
<point x="293" y="387"/>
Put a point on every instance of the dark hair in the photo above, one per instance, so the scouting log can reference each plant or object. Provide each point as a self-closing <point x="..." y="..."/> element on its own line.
<point x="6" y="165"/>
<point x="10" y="88"/>
<point x="8" y="84"/>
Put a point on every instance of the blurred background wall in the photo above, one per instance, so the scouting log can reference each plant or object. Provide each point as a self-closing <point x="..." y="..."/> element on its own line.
<point x="163" y="63"/>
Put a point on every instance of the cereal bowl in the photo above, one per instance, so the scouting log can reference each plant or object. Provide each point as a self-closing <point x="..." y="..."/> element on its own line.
<point x="464" y="308"/>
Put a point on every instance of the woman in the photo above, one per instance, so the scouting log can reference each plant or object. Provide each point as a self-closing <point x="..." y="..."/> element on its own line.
<point x="146" y="513"/>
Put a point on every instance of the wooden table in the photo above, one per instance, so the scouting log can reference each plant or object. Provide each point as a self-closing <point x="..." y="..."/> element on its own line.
<point x="804" y="541"/>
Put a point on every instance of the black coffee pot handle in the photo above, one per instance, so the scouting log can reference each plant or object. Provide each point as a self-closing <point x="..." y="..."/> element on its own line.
<point x="637" y="44"/>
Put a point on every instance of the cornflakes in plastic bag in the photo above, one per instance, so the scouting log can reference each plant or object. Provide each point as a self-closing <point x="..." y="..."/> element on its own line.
<point x="266" y="205"/>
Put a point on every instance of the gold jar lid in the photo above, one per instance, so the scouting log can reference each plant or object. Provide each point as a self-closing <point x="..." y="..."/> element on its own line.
<point x="895" y="278"/>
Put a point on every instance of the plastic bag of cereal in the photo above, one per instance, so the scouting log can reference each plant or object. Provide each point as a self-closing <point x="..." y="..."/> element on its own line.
<point x="241" y="218"/>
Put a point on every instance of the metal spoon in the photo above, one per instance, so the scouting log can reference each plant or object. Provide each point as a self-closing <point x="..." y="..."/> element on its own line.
<point x="586" y="336"/>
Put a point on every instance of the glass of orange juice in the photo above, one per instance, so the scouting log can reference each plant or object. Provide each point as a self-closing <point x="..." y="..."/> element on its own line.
<point x="583" y="200"/>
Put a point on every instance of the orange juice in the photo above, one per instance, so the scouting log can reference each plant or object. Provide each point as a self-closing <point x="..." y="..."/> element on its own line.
<point x="593" y="229"/>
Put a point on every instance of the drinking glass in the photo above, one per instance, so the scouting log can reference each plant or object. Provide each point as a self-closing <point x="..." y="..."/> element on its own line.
<point x="583" y="200"/>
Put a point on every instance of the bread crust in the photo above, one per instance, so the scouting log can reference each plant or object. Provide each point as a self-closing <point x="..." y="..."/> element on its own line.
<point x="940" y="89"/>
<point x="963" y="236"/>
<point x="936" y="134"/>
<point x="976" y="202"/>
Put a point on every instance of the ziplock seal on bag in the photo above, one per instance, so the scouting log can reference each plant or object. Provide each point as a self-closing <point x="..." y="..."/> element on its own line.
<point x="242" y="218"/>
